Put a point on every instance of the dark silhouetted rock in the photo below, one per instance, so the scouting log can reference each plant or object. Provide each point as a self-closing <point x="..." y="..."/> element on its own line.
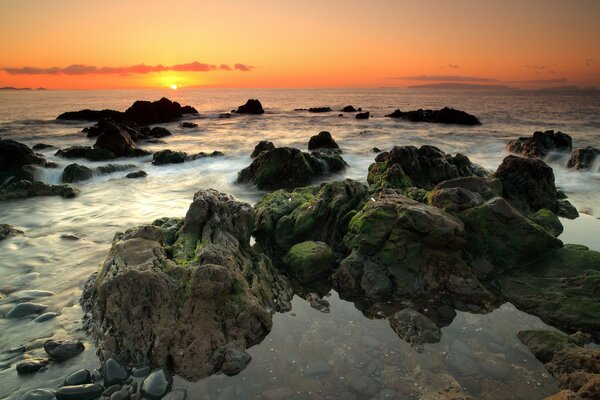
<point x="86" y="152"/>
<point x="263" y="145"/>
<point x="25" y="309"/>
<point x="76" y="173"/>
<point x="188" y="125"/>
<point x="42" y="146"/>
<point x="159" y="132"/>
<point x="31" y="365"/>
<point x="14" y="156"/>
<point x="23" y="189"/>
<point x="348" y="109"/>
<point x="155" y="112"/>
<point x="322" y="141"/>
<point x="61" y="350"/>
<point x="136" y="175"/>
<point x="157" y="384"/>
<point x="91" y="115"/>
<point x="363" y="115"/>
<point x="252" y="106"/>
<point x="116" y="141"/>
<point x="79" y="392"/>
<point x="583" y="158"/>
<point x="444" y="116"/>
<point x="80" y="377"/>
<point x="540" y="144"/>
<point x="319" y="109"/>
<point x="225" y="115"/>
<point x="7" y="231"/>
<point x="164" y="157"/>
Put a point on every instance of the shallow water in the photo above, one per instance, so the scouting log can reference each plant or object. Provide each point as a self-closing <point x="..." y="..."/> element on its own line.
<point x="356" y="349"/>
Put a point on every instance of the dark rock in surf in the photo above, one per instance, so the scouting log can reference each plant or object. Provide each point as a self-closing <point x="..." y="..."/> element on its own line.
<point x="61" y="350"/>
<point x="319" y="109"/>
<point x="86" y="152"/>
<point x="540" y="144"/>
<point x="76" y="173"/>
<point x="364" y="115"/>
<point x="31" y="365"/>
<point x="348" y="109"/>
<point x="79" y="392"/>
<point x="155" y="112"/>
<point x="322" y="141"/>
<point x="252" y="106"/>
<point x="24" y="188"/>
<point x="7" y="231"/>
<point x="118" y="142"/>
<point x="260" y="147"/>
<point x="14" y="156"/>
<point x="164" y="157"/>
<point x="91" y="115"/>
<point x="159" y="132"/>
<point x="42" y="146"/>
<point x="136" y="175"/>
<point x="584" y="158"/>
<point x="188" y="125"/>
<point x="444" y="116"/>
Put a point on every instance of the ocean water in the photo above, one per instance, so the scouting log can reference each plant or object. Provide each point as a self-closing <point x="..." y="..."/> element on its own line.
<point x="355" y="348"/>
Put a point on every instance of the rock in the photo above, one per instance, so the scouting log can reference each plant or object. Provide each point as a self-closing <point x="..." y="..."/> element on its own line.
<point x="168" y="157"/>
<point x="230" y="361"/>
<point x="118" y="142"/>
<point x="38" y="394"/>
<point x="547" y="220"/>
<point x="114" y="372"/>
<point x="319" y="109"/>
<point x="348" y="109"/>
<point x="42" y="146"/>
<point x="79" y="392"/>
<point x="309" y="261"/>
<point x="444" y="116"/>
<point x="202" y="277"/>
<point x="454" y="199"/>
<point x="225" y="115"/>
<point x="14" y="156"/>
<point x="583" y="158"/>
<point x="31" y="365"/>
<point x="25" y="309"/>
<point x="486" y="187"/>
<point x="122" y="394"/>
<point x="76" y="173"/>
<point x="80" y="377"/>
<point x="111" y="168"/>
<point x="461" y="359"/>
<point x="317" y="368"/>
<point x="425" y="167"/>
<point x="140" y="372"/>
<point x="45" y="317"/>
<point x="61" y="350"/>
<point x="89" y="153"/>
<point x="364" y="115"/>
<point x="159" y="132"/>
<point x="136" y="175"/>
<point x="322" y="141"/>
<point x="415" y="328"/>
<point x="252" y="106"/>
<point x="287" y="167"/>
<point x="7" y="231"/>
<point x="188" y="125"/>
<point x="177" y="394"/>
<point x="263" y="145"/>
<point x="155" y="112"/>
<point x="528" y="184"/>
<point x="24" y="189"/>
<point x="157" y="384"/>
<point x="540" y="144"/>
<point x="375" y="150"/>
<point x="317" y="302"/>
<point x="112" y="389"/>
<point x="544" y="344"/>
<point x="91" y="115"/>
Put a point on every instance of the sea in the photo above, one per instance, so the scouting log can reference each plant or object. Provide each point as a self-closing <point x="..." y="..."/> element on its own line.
<point x="479" y="355"/>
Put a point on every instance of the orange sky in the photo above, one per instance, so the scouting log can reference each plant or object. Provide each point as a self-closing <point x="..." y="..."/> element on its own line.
<point x="310" y="43"/>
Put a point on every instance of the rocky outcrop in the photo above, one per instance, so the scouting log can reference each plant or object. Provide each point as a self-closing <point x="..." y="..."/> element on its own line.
<point x="583" y="158"/>
<point x="444" y="116"/>
<point x="23" y="188"/>
<point x="528" y="184"/>
<point x="86" y="152"/>
<point x="205" y="289"/>
<point x="14" y="156"/>
<point x="7" y="231"/>
<point x="164" y="157"/>
<point x="91" y="115"/>
<point x="350" y="109"/>
<point x="319" y="109"/>
<point x="540" y="144"/>
<point x="406" y="166"/>
<point x="263" y="145"/>
<point x="76" y="173"/>
<point x="287" y="167"/>
<point x="252" y="106"/>
<point x="577" y="369"/>
<point x="118" y="142"/>
<point x="322" y="141"/>
<point x="363" y="115"/>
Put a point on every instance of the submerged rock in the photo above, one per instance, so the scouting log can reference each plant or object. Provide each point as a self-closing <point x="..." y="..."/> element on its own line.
<point x="7" y="231"/>
<point x="415" y="328"/>
<point x="76" y="173"/>
<point x="287" y="167"/>
<point x="25" y="309"/>
<point x="23" y="189"/>
<point x="322" y="141"/>
<point x="252" y="106"/>
<point x="87" y="152"/>
<point x="164" y="157"/>
<point x="136" y="175"/>
<point x="230" y="361"/>
<point x="188" y="125"/>
<point x="205" y="280"/>
<point x="444" y="116"/>
<point x="583" y="158"/>
<point x="31" y="365"/>
<point x="263" y="145"/>
<point x="540" y="144"/>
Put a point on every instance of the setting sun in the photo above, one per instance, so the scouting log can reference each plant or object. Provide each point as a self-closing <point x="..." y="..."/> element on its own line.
<point x="174" y="86"/>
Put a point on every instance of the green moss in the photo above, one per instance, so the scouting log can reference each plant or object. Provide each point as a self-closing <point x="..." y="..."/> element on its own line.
<point x="388" y="175"/>
<point x="547" y="220"/>
<point x="309" y="261"/>
<point x="370" y="227"/>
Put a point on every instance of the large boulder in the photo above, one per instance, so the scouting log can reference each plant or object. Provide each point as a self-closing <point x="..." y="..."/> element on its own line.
<point x="583" y="158"/>
<point x="20" y="189"/>
<point x="540" y="144"/>
<point x="423" y="167"/>
<point x="309" y="261"/>
<point x="444" y="116"/>
<point x="14" y="156"/>
<point x="528" y="184"/>
<point x="91" y="115"/>
<point x="252" y="106"/>
<point x="118" y="142"/>
<point x="154" y="112"/>
<point x="164" y="157"/>
<point x="287" y="167"/>
<point x="263" y="145"/>
<point x="322" y="141"/>
<point x="76" y="173"/>
<point x="86" y="152"/>
<point x="205" y="289"/>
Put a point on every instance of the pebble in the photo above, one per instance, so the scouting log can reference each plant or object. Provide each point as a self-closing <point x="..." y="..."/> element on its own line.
<point x="157" y="384"/>
<point x="45" y="317"/>
<point x="24" y="309"/>
<point x="114" y="372"/>
<point x="79" y="392"/>
<point x="61" y="350"/>
<point x="38" y="394"/>
<point x="31" y="365"/>
<point x="80" y="377"/>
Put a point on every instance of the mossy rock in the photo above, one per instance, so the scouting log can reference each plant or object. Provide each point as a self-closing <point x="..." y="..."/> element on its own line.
<point x="547" y="220"/>
<point x="384" y="175"/>
<point x="309" y="261"/>
<point x="543" y="344"/>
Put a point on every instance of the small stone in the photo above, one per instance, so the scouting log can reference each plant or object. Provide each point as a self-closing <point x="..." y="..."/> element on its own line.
<point x="140" y="372"/>
<point x="46" y="317"/>
<point x="157" y="384"/>
<point x="79" y="392"/>
<point x="112" y="389"/>
<point x="136" y="175"/>
<point x="24" y="309"/>
<point x="38" y="394"/>
<point x="122" y="394"/>
<point x="31" y="365"/>
<point x="114" y="372"/>
<point x="80" y="377"/>
<point x="60" y="350"/>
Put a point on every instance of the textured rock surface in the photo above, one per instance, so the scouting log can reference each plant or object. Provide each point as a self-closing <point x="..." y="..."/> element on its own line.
<point x="583" y="158"/>
<point x="252" y="106"/>
<point x="444" y="116"/>
<point x="540" y="144"/>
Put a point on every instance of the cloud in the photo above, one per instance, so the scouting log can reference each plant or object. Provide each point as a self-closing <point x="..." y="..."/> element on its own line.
<point x="557" y="80"/>
<point x="244" y="67"/>
<point x="81" y="69"/>
<point x="445" y="78"/>
<point x="589" y="62"/>
<point x="453" y="65"/>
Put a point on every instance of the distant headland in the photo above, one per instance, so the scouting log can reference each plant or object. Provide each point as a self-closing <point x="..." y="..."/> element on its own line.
<point x="15" y="88"/>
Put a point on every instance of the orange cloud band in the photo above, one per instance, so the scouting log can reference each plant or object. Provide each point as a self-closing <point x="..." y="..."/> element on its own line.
<point x="81" y="69"/>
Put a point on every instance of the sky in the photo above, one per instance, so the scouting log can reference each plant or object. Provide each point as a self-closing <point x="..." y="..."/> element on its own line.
<point x="89" y="44"/>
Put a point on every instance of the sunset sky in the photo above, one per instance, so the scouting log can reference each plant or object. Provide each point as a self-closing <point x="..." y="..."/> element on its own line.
<point x="76" y="44"/>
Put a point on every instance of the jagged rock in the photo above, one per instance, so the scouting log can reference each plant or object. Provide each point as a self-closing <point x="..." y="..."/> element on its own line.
<point x="309" y="261"/>
<point x="454" y="199"/>
<point x="205" y="280"/>
<point x="14" y="156"/>
<point x="287" y="167"/>
<point x="7" y="231"/>
<point x="364" y="115"/>
<point x="23" y="189"/>
<point x="76" y="173"/>
<point x="319" y="109"/>
<point x="252" y="106"/>
<point x="155" y="112"/>
<point x="322" y="141"/>
<point x="425" y="167"/>
<point x="444" y="116"/>
<point x="87" y="152"/>
<point x="540" y="144"/>
<point x="547" y="220"/>
<point x="177" y="157"/>
<point x="263" y="145"/>
<point x="583" y="158"/>
<point x="118" y="142"/>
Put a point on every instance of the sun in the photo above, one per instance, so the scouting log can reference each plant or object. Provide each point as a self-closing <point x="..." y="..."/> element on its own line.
<point x="174" y="86"/>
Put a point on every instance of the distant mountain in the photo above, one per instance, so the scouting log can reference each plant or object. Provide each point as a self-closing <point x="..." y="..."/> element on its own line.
<point x="455" y="85"/>
<point x="13" y="88"/>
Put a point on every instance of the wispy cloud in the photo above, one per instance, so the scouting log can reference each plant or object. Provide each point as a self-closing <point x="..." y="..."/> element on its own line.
<point x="81" y="69"/>
<point x="453" y="66"/>
<point x="445" y="78"/>
<point x="557" y="80"/>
